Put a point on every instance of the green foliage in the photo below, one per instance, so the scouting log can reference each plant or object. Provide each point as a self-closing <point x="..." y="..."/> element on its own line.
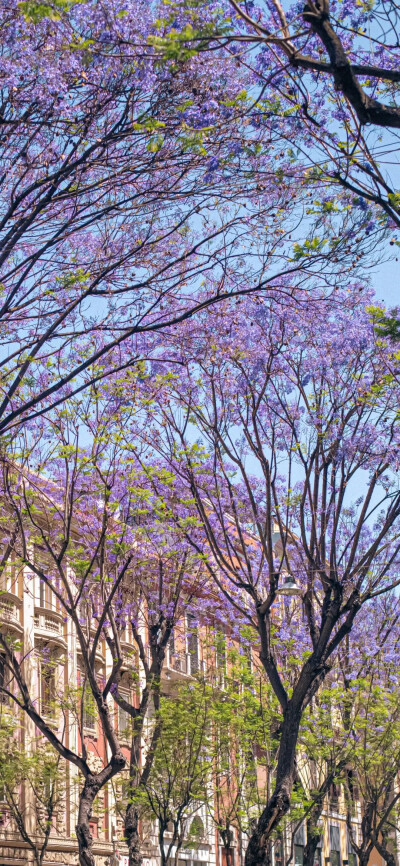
<point x="310" y="247"/>
<point x="38" y="768"/>
<point x="34" y="11"/>
<point x="394" y="199"/>
<point x="215" y="745"/>
<point x="386" y="324"/>
<point x="181" y="764"/>
<point x="245" y="718"/>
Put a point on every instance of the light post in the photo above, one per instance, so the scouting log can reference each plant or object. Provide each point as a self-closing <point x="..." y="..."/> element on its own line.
<point x="289" y="586"/>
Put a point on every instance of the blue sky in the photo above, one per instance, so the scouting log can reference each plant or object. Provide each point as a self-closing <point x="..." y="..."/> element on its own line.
<point x="386" y="282"/>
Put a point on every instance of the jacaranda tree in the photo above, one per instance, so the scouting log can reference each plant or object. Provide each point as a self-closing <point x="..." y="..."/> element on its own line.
<point x="282" y="443"/>
<point x="134" y="193"/>
<point x="325" y="75"/>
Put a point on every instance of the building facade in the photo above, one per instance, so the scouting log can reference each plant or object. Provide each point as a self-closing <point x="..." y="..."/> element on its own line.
<point x="31" y="615"/>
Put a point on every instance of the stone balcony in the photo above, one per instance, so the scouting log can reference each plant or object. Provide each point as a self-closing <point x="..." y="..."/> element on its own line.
<point x="10" y="613"/>
<point x="49" y="626"/>
<point x="180" y="665"/>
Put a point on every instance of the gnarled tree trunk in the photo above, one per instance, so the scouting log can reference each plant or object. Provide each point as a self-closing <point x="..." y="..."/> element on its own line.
<point x="83" y="834"/>
<point x="384" y="851"/>
<point x="131" y="830"/>
<point x="258" y="851"/>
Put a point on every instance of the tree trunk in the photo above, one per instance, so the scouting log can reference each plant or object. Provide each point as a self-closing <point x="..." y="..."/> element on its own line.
<point x="384" y="851"/>
<point x="131" y="830"/>
<point x="258" y="850"/>
<point x="310" y="849"/>
<point x="178" y="845"/>
<point x="228" y="855"/>
<point x="313" y="837"/>
<point x="83" y="834"/>
<point x="227" y="837"/>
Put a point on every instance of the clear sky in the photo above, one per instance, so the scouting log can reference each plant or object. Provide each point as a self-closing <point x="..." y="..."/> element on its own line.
<point x="386" y="282"/>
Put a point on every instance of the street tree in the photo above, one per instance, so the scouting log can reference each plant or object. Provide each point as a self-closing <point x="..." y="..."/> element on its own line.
<point x="128" y="205"/>
<point x="181" y="772"/>
<point x="80" y="515"/>
<point x="283" y="443"/>
<point x="245" y="719"/>
<point x="35" y="767"/>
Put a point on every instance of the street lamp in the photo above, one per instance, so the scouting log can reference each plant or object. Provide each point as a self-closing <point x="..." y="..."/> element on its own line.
<point x="289" y="586"/>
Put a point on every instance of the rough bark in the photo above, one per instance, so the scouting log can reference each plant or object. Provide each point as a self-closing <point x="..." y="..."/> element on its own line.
<point x="384" y="851"/>
<point x="368" y="109"/>
<point x="344" y="72"/>
<point x="310" y="847"/>
<point x="226" y="836"/>
<point x="258" y="853"/>
<point x="139" y="775"/>
<point x="83" y="834"/>
<point x="131" y="830"/>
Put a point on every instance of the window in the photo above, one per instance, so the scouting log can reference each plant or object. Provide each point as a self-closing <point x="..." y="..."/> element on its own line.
<point x="223" y="741"/>
<point x="352" y="791"/>
<point x="351" y="854"/>
<point x="48" y="690"/>
<point x="45" y="595"/>
<point x="88" y="704"/>
<point x="89" y="712"/>
<point x="334" y="793"/>
<point x="318" y="852"/>
<point x="43" y="562"/>
<point x="85" y="612"/>
<point x="248" y="650"/>
<point x="334" y="838"/>
<point x="123" y="716"/>
<point x="8" y="582"/>
<point x="94" y="829"/>
<point x="299" y="843"/>
<point x="196" y="830"/>
<point x="220" y="657"/>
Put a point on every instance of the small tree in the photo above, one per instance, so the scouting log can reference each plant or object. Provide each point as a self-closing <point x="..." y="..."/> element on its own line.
<point x="181" y="772"/>
<point x="32" y="786"/>
<point x="103" y="549"/>
<point x="169" y="583"/>
<point x="348" y="738"/>
<point x="245" y="718"/>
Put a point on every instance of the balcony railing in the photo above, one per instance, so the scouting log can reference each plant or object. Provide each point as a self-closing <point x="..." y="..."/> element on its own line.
<point x="10" y="611"/>
<point x="179" y="662"/>
<point x="183" y="663"/>
<point x="49" y="624"/>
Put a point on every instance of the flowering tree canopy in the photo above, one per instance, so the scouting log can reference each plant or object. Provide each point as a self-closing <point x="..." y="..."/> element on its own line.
<point x="325" y="74"/>
<point x="282" y="444"/>
<point x="134" y="194"/>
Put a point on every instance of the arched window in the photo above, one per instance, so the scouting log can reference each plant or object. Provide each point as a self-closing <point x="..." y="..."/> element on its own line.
<point x="196" y="828"/>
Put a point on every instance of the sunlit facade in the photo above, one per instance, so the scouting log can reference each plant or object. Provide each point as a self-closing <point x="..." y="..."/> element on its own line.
<point x="52" y="666"/>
